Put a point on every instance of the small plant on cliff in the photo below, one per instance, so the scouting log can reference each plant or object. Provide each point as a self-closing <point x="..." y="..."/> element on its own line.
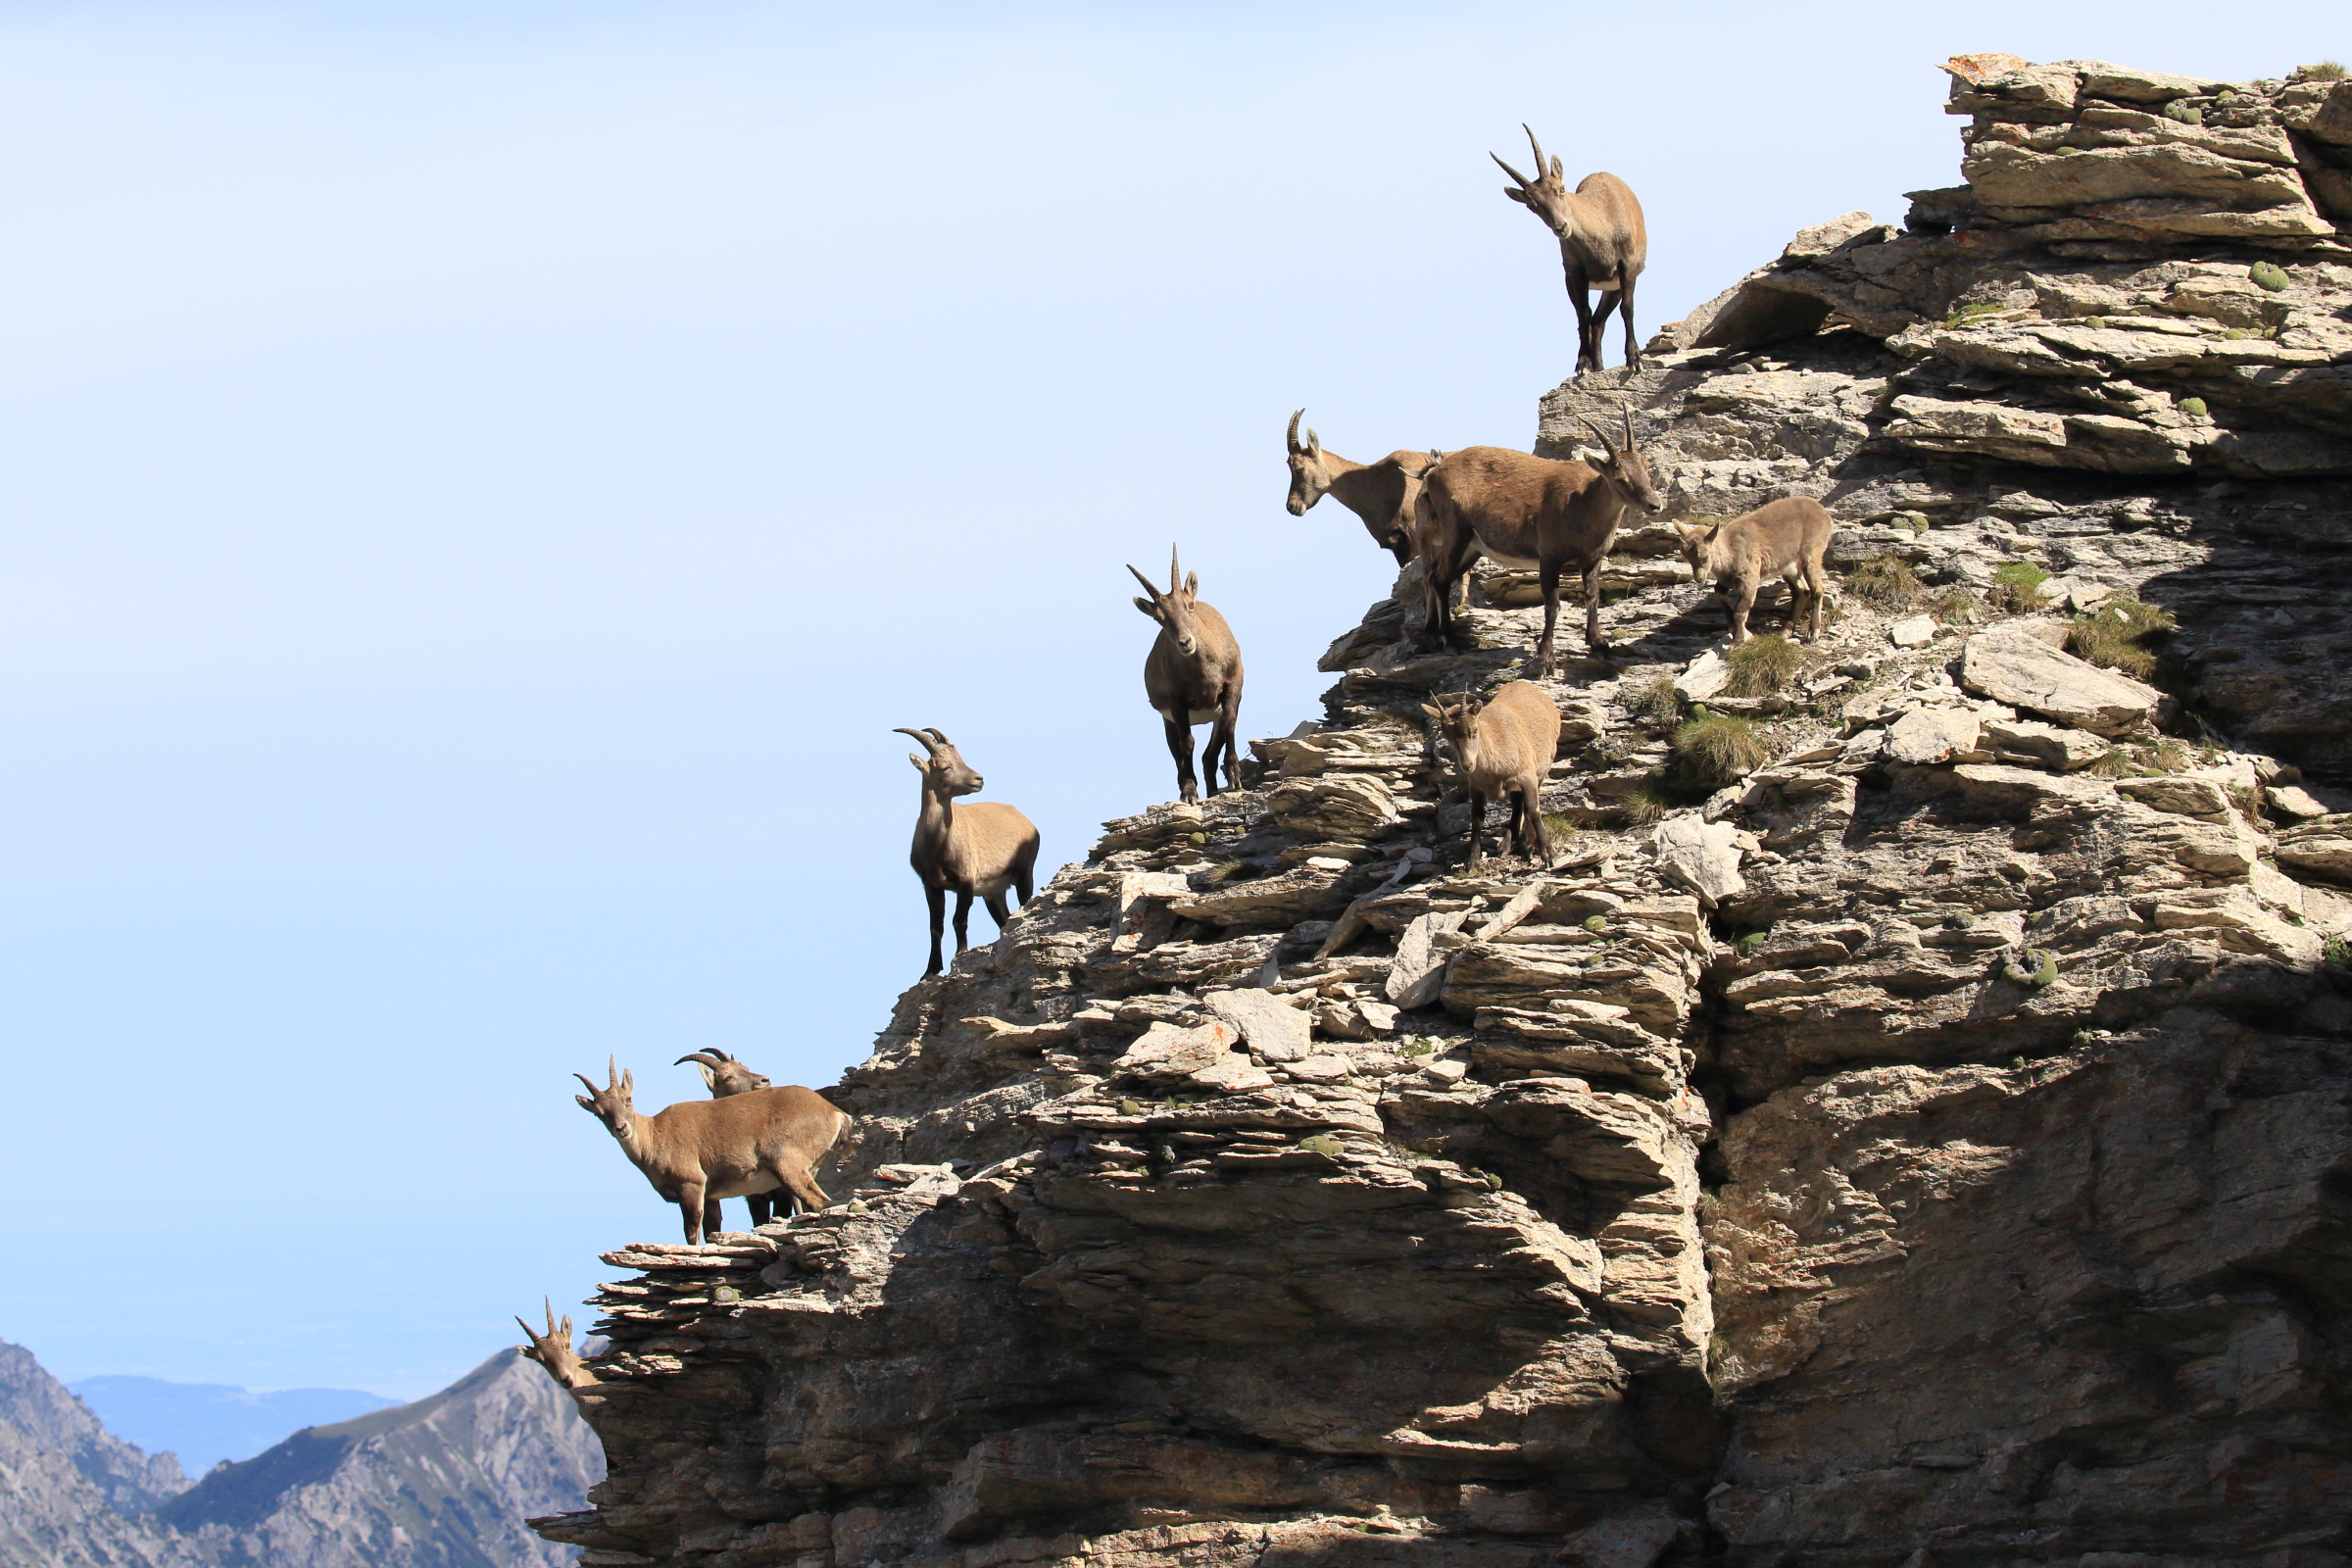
<point x="1751" y="942"/>
<point x="2035" y="968"/>
<point x="1972" y="314"/>
<point x="1650" y="800"/>
<point x="2017" y="585"/>
<point x="1559" y="824"/>
<point x="2114" y="762"/>
<point x="2335" y="951"/>
<point x="2320" y="71"/>
<point x="1717" y="750"/>
<point x="1598" y="924"/>
<point x="1762" y="665"/>
<point x="1323" y="1143"/>
<point x="2121" y="634"/>
<point x="1654" y="700"/>
<point x="1224" y="871"/>
<point x="1960" y="607"/>
<point x="1887" y="581"/>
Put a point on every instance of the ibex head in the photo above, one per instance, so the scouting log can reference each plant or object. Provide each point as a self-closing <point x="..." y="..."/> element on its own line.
<point x="611" y="1103"/>
<point x="943" y="769"/>
<point x="553" y="1349"/>
<point x="1456" y="721"/>
<point x="1546" y="195"/>
<point x="722" y="1074"/>
<point x="1174" y="609"/>
<point x="1624" y="466"/>
<point x="1310" y="477"/>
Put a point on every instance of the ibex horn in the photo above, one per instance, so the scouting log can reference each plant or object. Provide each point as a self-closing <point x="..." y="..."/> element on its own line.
<point x="1628" y="410"/>
<point x="709" y="1058"/>
<point x="1524" y="182"/>
<point x="1293" y="436"/>
<point x="1145" y="581"/>
<point x="929" y="745"/>
<point x="932" y="731"/>
<point x="1540" y="169"/>
<point x="1175" y="573"/>
<point x="1608" y="443"/>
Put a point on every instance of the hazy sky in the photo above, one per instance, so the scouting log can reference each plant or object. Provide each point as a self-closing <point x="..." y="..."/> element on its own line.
<point x="483" y="481"/>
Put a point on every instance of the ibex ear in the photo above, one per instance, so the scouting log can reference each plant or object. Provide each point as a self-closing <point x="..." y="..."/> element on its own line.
<point x="1315" y="445"/>
<point x="586" y="1105"/>
<point x="919" y="765"/>
<point x="1147" y="607"/>
<point x="1431" y="712"/>
<point x="1191" y="584"/>
<point x="1515" y="194"/>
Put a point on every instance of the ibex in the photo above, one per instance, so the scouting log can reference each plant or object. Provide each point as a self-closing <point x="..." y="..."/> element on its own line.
<point x="1604" y="245"/>
<point x="1527" y="512"/>
<point x="1381" y="493"/>
<point x="1505" y="751"/>
<point x="1785" y="538"/>
<point x="698" y="1152"/>
<point x="1192" y="675"/>
<point x="972" y="851"/>
<point x="552" y="1350"/>
<point x="724" y="1075"/>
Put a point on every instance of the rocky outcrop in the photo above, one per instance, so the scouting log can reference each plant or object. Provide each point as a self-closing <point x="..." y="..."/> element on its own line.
<point x="1907" y="1119"/>
<point x="69" y="1492"/>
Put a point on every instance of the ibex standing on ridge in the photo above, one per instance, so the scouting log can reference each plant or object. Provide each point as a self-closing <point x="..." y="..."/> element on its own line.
<point x="1785" y="538"/>
<point x="552" y="1350"/>
<point x="1381" y="493"/>
<point x="698" y="1152"/>
<point x="1604" y="245"/>
<point x="1528" y="512"/>
<point x="972" y="851"/>
<point x="1505" y="749"/>
<point x="724" y="1075"/>
<point x="1192" y="675"/>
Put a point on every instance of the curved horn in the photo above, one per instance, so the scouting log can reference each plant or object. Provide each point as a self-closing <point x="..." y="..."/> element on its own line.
<point x="1536" y="145"/>
<point x="1145" y="581"/>
<point x="929" y="745"/>
<point x="709" y="1058"/>
<point x="1293" y="437"/>
<point x="1626" y="409"/>
<point x="1175" y="573"/>
<point x="932" y="731"/>
<point x="589" y="1082"/>
<point x="1524" y="182"/>
<point x="1608" y="442"/>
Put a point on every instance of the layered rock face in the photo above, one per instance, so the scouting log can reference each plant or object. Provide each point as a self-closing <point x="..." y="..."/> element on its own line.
<point x="1910" y="1121"/>
<point x="71" y="1491"/>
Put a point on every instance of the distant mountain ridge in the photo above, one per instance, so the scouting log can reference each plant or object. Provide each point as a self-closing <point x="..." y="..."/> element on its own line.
<point x="204" y="1423"/>
<point x="443" y="1483"/>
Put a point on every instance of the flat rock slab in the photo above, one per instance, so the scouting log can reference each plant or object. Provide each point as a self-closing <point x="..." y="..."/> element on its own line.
<point x="1911" y="631"/>
<point x="1273" y="1029"/>
<point x="1419" y="971"/>
<point x="1930" y="735"/>
<point x="2019" y="668"/>
<point x="2182" y="797"/>
<point x="1704" y="857"/>
<point x="1166" y="1052"/>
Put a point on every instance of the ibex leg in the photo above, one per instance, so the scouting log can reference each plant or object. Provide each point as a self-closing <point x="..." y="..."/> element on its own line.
<point x="1478" y="829"/>
<point x="714" y="1222"/>
<point x="1593" y="637"/>
<point x="995" y="907"/>
<point x="763" y="1206"/>
<point x="1633" y="346"/>
<point x="1220" y="743"/>
<point x="1180" y="747"/>
<point x="1549" y="575"/>
<point x="1587" y="341"/>
<point x="1538" y="846"/>
<point x="1743" y="602"/>
<point x="798" y="1180"/>
<point x="690" y="1209"/>
<point x="963" y="920"/>
<point x="936" y="897"/>
<point x="1600" y="322"/>
<point x="1813" y="587"/>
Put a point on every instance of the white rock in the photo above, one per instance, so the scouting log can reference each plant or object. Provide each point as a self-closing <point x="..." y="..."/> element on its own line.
<point x="2029" y="741"/>
<point x="1320" y="1069"/>
<point x="2289" y="801"/>
<point x="1704" y="857"/>
<point x="2014" y="665"/>
<point x="1232" y="1076"/>
<point x="1930" y="735"/>
<point x="1706" y="675"/>
<point x="1165" y="1050"/>
<point x="1911" y="631"/>
<point x="1273" y="1029"/>
<point x="2182" y="797"/>
<point x="1418" y="973"/>
<point x="1445" y="1074"/>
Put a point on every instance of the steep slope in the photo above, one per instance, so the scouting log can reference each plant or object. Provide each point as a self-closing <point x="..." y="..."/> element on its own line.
<point x="1912" y="1128"/>
<point x="68" y="1492"/>
<point x="204" y="1423"/>
<point x="445" y="1482"/>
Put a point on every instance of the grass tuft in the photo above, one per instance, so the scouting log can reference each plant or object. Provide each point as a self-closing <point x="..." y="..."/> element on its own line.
<point x="1718" y="750"/>
<point x="1560" y="825"/>
<point x="1225" y="871"/>
<point x="1762" y="665"/>
<point x="2320" y="71"/>
<point x="2122" y="634"/>
<point x="2114" y="762"/>
<point x="1960" y="607"/>
<point x="1654" y="700"/>
<point x="1647" y="803"/>
<point x="1887" y="581"/>
<point x="2017" y="586"/>
<point x="2334" y="949"/>
<point x="1751" y="940"/>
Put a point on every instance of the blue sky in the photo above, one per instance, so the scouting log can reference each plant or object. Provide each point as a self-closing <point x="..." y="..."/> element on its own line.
<point x="481" y="484"/>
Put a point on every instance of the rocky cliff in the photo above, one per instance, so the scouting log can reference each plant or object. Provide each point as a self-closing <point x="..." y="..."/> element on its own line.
<point x="1909" y="1123"/>
<point x="71" y="1492"/>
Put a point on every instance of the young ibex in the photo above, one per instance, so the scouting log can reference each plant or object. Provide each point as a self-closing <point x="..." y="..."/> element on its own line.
<point x="1785" y="538"/>
<point x="1528" y="512"/>
<point x="698" y="1152"/>
<point x="552" y="1350"/>
<point x="1604" y="245"/>
<point x="1192" y="675"/>
<point x="972" y="851"/>
<point x="1381" y="493"/>
<point x="724" y="1075"/>
<point x="1505" y="751"/>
